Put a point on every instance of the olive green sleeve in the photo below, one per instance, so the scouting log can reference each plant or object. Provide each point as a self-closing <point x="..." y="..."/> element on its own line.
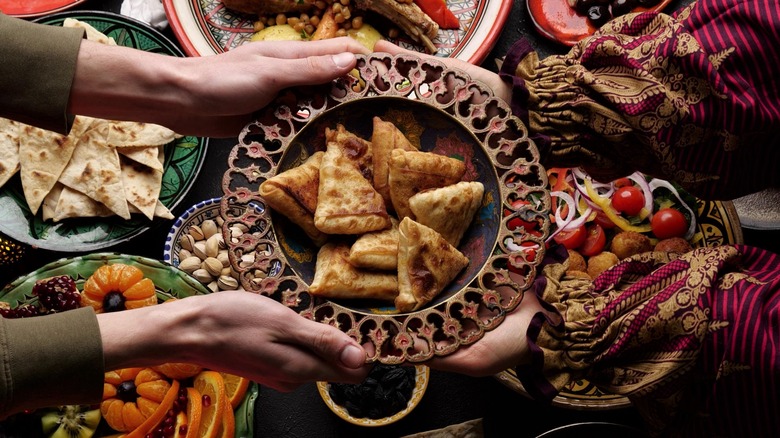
<point x="50" y="360"/>
<point x="36" y="72"/>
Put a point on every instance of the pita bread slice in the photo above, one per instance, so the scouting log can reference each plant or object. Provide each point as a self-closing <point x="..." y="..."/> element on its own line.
<point x="43" y="155"/>
<point x="74" y="204"/>
<point x="141" y="184"/>
<point x="293" y="193"/>
<point x="347" y="202"/>
<point x="95" y="170"/>
<point x="449" y="210"/>
<point x="9" y="149"/>
<point x="384" y="139"/>
<point x="427" y="263"/>
<point x="134" y="134"/>
<point x="414" y="171"/>
<point x="92" y="33"/>
<point x="147" y="155"/>
<point x="377" y="250"/>
<point x="334" y="277"/>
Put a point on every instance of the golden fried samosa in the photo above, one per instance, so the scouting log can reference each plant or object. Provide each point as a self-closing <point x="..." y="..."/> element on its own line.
<point x="357" y="150"/>
<point x="384" y="139"/>
<point x="377" y="250"/>
<point x="448" y="210"/>
<point x="414" y="171"/>
<point x="293" y="193"/>
<point x="427" y="263"/>
<point x="335" y="277"/>
<point x="347" y="202"/>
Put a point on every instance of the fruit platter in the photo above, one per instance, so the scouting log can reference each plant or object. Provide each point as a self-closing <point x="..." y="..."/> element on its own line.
<point x="171" y="399"/>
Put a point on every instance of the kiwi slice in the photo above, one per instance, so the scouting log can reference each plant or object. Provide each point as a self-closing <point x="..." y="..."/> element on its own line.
<point x="71" y="421"/>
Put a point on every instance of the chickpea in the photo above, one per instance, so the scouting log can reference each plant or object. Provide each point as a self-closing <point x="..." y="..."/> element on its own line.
<point x="258" y="25"/>
<point x="314" y="21"/>
<point x="281" y="19"/>
<point x="357" y="22"/>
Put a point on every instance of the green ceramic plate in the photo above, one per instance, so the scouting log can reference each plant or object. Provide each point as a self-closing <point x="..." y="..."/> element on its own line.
<point x="170" y="282"/>
<point x="183" y="160"/>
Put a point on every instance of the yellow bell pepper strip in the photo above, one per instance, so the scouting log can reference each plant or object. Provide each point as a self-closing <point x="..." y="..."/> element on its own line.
<point x="612" y="214"/>
<point x="438" y="11"/>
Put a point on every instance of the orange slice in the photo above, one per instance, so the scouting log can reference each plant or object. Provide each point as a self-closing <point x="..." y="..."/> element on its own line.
<point x="235" y="387"/>
<point x="213" y="398"/>
<point x="194" y="412"/>
<point x="159" y="414"/>
<point x="228" y="427"/>
<point x="178" y="370"/>
<point x="180" y="427"/>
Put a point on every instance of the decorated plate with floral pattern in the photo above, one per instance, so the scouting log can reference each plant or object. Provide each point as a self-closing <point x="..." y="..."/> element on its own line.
<point x="205" y="27"/>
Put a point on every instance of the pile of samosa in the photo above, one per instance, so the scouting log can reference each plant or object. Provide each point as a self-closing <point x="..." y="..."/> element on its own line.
<point x="386" y="216"/>
<point x="100" y="168"/>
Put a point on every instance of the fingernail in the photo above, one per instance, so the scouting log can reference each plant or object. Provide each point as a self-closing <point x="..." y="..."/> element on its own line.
<point x="352" y="356"/>
<point x="343" y="60"/>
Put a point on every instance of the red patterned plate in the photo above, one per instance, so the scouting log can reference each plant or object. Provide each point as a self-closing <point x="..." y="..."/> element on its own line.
<point x="35" y="8"/>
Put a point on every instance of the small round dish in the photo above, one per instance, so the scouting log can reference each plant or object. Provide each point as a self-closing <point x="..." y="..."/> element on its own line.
<point x="37" y="8"/>
<point x="421" y="377"/>
<point x="187" y="245"/>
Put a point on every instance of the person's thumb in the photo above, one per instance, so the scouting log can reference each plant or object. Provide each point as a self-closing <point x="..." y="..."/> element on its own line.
<point x="319" y="69"/>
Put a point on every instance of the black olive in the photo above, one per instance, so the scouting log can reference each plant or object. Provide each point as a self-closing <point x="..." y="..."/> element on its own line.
<point x="599" y="15"/>
<point x="622" y="7"/>
<point x="582" y="6"/>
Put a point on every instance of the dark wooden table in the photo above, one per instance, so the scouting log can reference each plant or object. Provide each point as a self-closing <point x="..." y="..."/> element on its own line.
<point x="450" y="398"/>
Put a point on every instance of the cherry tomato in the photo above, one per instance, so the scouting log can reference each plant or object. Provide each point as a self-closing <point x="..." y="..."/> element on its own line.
<point x="595" y="241"/>
<point x="603" y="220"/>
<point x="572" y="239"/>
<point x="668" y="222"/>
<point x="628" y="200"/>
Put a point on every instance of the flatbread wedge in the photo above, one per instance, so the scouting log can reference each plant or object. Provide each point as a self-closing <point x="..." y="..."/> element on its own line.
<point x="427" y="263"/>
<point x="377" y="250"/>
<point x="449" y="210"/>
<point x="414" y="171"/>
<point x="9" y="149"/>
<point x="43" y="155"/>
<point x="346" y="201"/>
<point x="335" y="277"/>
<point x="384" y="138"/>
<point x="293" y="193"/>
<point x="95" y="170"/>
<point x="134" y="134"/>
<point x="141" y="185"/>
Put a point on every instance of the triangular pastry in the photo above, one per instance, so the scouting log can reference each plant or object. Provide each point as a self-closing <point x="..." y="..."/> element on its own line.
<point x="384" y="138"/>
<point x="377" y="250"/>
<point x="347" y="202"/>
<point x="449" y="210"/>
<point x="335" y="277"/>
<point x="357" y="150"/>
<point x="414" y="171"/>
<point x="427" y="263"/>
<point x="293" y="193"/>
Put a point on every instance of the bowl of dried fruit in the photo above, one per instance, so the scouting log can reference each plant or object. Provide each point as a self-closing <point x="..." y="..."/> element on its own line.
<point x="196" y="245"/>
<point x="389" y="393"/>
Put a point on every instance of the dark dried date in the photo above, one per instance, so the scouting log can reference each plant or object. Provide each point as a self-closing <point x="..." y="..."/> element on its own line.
<point x="385" y="392"/>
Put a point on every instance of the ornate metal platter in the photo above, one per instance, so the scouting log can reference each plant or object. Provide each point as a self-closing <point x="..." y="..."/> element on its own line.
<point x="719" y="224"/>
<point x="449" y="113"/>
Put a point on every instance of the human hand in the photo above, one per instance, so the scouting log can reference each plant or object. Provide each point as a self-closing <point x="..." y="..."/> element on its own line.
<point x="236" y="332"/>
<point x="501" y="89"/>
<point x="502" y="348"/>
<point x="211" y="96"/>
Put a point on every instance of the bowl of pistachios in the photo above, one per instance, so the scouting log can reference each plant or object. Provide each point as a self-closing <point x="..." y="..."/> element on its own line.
<point x="196" y="245"/>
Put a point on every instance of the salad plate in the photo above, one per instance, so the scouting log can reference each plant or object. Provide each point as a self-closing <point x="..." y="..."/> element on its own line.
<point x="206" y="27"/>
<point x="170" y="283"/>
<point x="183" y="159"/>
<point x="715" y="223"/>
<point x="449" y="114"/>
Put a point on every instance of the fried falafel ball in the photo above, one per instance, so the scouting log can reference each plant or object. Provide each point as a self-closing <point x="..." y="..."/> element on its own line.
<point x="628" y="243"/>
<point x="676" y="245"/>
<point x="576" y="261"/>
<point x="601" y="262"/>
